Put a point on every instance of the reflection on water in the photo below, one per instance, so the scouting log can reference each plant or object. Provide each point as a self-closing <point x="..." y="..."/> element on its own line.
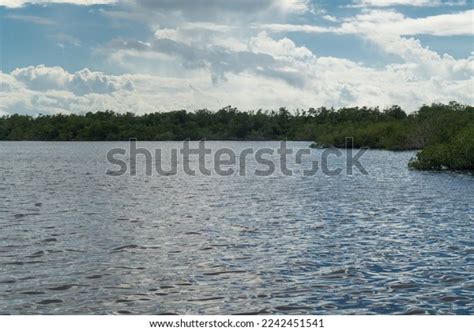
<point x="75" y="241"/>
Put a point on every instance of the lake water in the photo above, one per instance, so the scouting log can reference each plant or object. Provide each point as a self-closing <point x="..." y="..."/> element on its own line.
<point x="74" y="240"/>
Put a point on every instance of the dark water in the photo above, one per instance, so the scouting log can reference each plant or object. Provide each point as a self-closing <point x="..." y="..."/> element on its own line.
<point x="76" y="241"/>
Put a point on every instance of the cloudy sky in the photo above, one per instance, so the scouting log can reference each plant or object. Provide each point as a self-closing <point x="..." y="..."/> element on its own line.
<point x="73" y="56"/>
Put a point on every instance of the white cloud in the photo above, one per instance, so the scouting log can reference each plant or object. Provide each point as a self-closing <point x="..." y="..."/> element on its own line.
<point x="387" y="3"/>
<point x="65" y="39"/>
<point x="202" y="34"/>
<point x="42" y="78"/>
<point x="415" y="3"/>
<point x="169" y="12"/>
<point x="294" y="28"/>
<point x="293" y="5"/>
<point x="390" y="22"/>
<point x="387" y="29"/>
<point x="425" y="63"/>
<point x="187" y="51"/>
<point x="166" y="34"/>
<point x="330" y="18"/>
<point x="186" y="7"/>
<point x="198" y="57"/>
<point x="279" y="49"/>
<point x="20" y="3"/>
<point x="245" y="6"/>
<point x="287" y="75"/>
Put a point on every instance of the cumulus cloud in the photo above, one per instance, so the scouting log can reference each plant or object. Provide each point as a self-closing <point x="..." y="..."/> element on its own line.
<point x="269" y="74"/>
<point x="422" y="62"/>
<point x="334" y="82"/>
<point x="389" y="30"/>
<point x="42" y="78"/>
<point x="200" y="58"/>
<point x="279" y="49"/>
<point x="262" y="55"/>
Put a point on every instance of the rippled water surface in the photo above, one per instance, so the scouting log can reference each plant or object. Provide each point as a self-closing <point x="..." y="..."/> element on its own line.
<point x="74" y="240"/>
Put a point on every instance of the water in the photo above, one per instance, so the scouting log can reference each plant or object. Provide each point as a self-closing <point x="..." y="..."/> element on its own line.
<point x="76" y="241"/>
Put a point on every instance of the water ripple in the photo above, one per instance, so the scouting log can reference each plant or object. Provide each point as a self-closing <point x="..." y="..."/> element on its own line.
<point x="75" y="241"/>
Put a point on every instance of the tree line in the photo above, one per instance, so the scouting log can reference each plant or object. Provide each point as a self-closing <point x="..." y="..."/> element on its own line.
<point x="444" y="132"/>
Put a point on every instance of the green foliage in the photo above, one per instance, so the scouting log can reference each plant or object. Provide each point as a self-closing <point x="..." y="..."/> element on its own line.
<point x="225" y="124"/>
<point x="456" y="154"/>
<point x="443" y="131"/>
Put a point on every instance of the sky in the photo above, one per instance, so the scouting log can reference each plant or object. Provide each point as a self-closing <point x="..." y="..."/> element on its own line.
<point x="141" y="56"/>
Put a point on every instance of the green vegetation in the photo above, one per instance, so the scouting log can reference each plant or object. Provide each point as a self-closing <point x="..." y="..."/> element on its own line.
<point x="445" y="133"/>
<point x="456" y="154"/>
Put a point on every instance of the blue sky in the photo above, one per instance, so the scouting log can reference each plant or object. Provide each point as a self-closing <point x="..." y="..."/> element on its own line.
<point x="73" y="56"/>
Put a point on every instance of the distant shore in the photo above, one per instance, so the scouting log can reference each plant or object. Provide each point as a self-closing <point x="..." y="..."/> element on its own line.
<point x="444" y="133"/>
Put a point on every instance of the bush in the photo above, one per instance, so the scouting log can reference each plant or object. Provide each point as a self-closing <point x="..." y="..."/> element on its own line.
<point x="458" y="154"/>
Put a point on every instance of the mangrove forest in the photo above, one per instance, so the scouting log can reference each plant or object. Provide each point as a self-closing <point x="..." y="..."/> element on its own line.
<point x="443" y="134"/>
